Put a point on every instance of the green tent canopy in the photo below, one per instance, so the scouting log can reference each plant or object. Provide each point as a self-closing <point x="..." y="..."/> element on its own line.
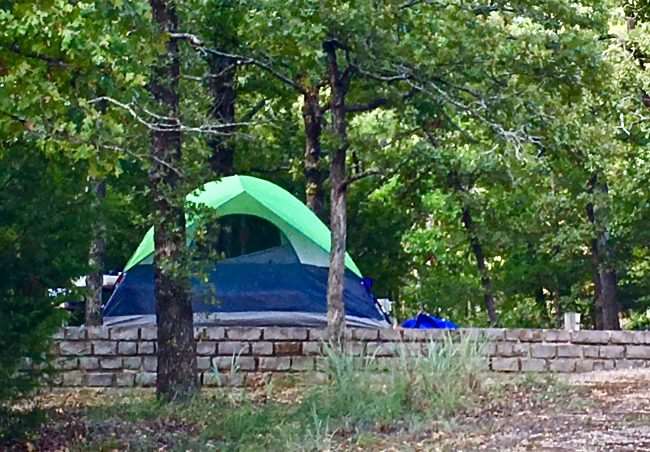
<point x="246" y="195"/>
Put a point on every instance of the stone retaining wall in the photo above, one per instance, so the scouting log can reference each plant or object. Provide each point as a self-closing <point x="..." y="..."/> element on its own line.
<point x="124" y="357"/>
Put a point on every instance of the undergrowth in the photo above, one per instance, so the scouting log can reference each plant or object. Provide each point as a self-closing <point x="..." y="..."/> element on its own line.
<point x="361" y="395"/>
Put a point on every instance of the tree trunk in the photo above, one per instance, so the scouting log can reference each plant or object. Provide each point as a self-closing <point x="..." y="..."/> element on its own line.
<point x="312" y="116"/>
<point x="606" y="305"/>
<point x="486" y="281"/>
<point x="338" y="214"/>
<point x="222" y="88"/>
<point x="95" y="279"/>
<point x="176" y="347"/>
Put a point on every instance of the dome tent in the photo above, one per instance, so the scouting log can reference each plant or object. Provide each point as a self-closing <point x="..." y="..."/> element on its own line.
<point x="281" y="285"/>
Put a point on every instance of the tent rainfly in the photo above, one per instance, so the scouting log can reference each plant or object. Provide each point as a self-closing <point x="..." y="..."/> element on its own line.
<point x="284" y="284"/>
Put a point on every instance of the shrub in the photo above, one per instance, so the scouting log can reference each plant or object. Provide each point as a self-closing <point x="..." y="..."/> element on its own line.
<point x="26" y="328"/>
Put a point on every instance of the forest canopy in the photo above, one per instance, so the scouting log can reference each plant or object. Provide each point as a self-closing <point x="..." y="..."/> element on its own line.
<point x="491" y="157"/>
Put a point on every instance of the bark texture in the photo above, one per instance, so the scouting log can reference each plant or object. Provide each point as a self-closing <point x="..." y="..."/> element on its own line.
<point x="477" y="250"/>
<point x="312" y="116"/>
<point x="606" y="304"/>
<point x="95" y="279"/>
<point x="222" y="88"/>
<point x="176" y="347"/>
<point x="338" y="214"/>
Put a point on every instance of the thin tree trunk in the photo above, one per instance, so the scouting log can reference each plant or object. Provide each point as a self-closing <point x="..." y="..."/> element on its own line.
<point x="222" y="88"/>
<point x="95" y="279"/>
<point x="486" y="281"/>
<point x="312" y="116"/>
<point x="338" y="213"/>
<point x="606" y="307"/>
<point x="176" y="346"/>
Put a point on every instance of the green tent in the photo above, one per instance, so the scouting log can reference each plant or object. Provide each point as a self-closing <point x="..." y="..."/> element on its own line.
<point x="245" y="195"/>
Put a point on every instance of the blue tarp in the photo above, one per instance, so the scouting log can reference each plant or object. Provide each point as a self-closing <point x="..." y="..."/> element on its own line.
<point x="425" y="321"/>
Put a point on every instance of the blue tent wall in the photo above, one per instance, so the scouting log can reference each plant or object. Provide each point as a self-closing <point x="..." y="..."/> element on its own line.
<point x="266" y="288"/>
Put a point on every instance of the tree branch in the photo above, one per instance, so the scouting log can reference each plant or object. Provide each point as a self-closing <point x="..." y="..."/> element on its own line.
<point x="197" y="43"/>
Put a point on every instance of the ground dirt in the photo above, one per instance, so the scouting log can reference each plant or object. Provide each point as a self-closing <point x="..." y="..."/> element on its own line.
<point x="608" y="411"/>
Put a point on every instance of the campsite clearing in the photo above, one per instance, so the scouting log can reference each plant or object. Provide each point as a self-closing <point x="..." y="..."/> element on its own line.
<point x="596" y="411"/>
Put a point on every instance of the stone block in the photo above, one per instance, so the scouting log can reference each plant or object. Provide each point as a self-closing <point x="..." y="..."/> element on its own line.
<point x="611" y="351"/>
<point x="125" y="379"/>
<point x="510" y="349"/>
<point x="244" y="334"/>
<point x="132" y="362"/>
<point x="543" y="350"/>
<point x="211" y="379"/>
<point x="262" y="348"/>
<point x="204" y="363"/>
<point x="412" y="335"/>
<point x="89" y="363"/>
<point x="233" y="348"/>
<point x="274" y="363"/>
<point x="591" y="351"/>
<point x="149" y="333"/>
<point x="124" y="333"/>
<point x="285" y="334"/>
<point x="311" y="348"/>
<point x="494" y="334"/>
<point x="584" y="365"/>
<point x="61" y="364"/>
<point x="471" y="333"/>
<point x="569" y="351"/>
<point x="200" y="333"/>
<point x="110" y="363"/>
<point x="390" y="334"/>
<point x="488" y="349"/>
<point x="317" y="334"/>
<point x="603" y="364"/>
<point x="637" y="351"/>
<point x="628" y="364"/>
<point x="626" y="337"/>
<point x="146" y="348"/>
<point x="127" y="348"/>
<point x="73" y="378"/>
<point x="74" y="348"/>
<point x="74" y="333"/>
<point x="206" y="348"/>
<point x="150" y="363"/>
<point x="364" y="334"/>
<point x="355" y="348"/>
<point x="590" y="337"/>
<point x="382" y="348"/>
<point x="505" y="364"/>
<point x="99" y="379"/>
<point x="287" y="348"/>
<point x="216" y="333"/>
<point x="241" y="363"/>
<point x="104" y="347"/>
<point x="97" y="332"/>
<point x="412" y="349"/>
<point x="520" y="334"/>
<point x="534" y="365"/>
<point x="557" y="336"/>
<point x="59" y="334"/>
<point x="381" y="363"/>
<point x="145" y="379"/>
<point x="563" y="365"/>
<point x="237" y="379"/>
<point x="302" y="363"/>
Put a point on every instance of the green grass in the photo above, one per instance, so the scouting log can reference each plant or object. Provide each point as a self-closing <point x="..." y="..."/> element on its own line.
<point x="361" y="399"/>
